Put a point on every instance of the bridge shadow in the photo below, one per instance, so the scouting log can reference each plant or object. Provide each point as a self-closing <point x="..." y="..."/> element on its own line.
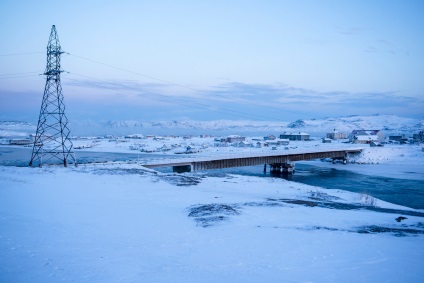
<point x="282" y="175"/>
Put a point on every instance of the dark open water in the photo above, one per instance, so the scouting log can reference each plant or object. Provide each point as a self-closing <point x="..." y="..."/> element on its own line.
<point x="399" y="191"/>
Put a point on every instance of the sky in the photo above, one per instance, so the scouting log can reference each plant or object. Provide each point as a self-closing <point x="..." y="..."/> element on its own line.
<point x="212" y="60"/>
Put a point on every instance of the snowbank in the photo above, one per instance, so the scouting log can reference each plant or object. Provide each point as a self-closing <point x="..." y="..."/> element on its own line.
<point x="129" y="224"/>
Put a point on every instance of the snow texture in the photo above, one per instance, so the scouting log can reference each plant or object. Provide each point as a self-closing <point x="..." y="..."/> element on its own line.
<point x="387" y="123"/>
<point x="103" y="223"/>
<point x="124" y="223"/>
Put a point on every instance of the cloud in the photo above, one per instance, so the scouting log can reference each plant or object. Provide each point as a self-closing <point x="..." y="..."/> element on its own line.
<point x="383" y="46"/>
<point x="231" y="100"/>
<point x="350" y="30"/>
<point x="312" y="103"/>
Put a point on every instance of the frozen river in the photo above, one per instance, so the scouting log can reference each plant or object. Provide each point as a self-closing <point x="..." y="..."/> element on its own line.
<point x="399" y="190"/>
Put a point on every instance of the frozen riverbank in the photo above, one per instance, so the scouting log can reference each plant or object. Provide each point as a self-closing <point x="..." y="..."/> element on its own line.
<point x="129" y="224"/>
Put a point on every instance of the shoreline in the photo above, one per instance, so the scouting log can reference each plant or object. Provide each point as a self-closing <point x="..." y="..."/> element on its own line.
<point x="388" y="170"/>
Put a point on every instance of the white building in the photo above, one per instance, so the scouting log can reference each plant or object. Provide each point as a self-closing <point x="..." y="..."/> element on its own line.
<point x="235" y="138"/>
<point x="359" y="136"/>
<point x="365" y="139"/>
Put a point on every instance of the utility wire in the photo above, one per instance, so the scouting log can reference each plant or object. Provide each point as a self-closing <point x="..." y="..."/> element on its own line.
<point x="157" y="79"/>
<point x="17" y="54"/>
<point x="180" y="101"/>
<point x="19" y="76"/>
<point x="180" y="85"/>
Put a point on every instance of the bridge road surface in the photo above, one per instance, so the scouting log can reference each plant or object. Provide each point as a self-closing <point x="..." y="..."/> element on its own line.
<point x="217" y="162"/>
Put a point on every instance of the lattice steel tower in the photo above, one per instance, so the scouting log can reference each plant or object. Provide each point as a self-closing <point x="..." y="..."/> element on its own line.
<point x="52" y="144"/>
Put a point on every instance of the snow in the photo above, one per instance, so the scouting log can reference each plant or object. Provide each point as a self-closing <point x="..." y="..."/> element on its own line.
<point x="129" y="224"/>
<point x="125" y="223"/>
<point x="390" y="124"/>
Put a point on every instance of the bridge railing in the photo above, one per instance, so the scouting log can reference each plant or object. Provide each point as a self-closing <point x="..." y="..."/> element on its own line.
<point x="234" y="155"/>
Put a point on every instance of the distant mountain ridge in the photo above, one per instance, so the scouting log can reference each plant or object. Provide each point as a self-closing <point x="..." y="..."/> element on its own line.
<point x="388" y="123"/>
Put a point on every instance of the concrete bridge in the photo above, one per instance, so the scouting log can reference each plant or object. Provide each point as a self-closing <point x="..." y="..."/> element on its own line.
<point x="277" y="161"/>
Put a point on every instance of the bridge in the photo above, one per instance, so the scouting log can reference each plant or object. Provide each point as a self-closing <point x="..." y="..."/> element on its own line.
<point x="278" y="161"/>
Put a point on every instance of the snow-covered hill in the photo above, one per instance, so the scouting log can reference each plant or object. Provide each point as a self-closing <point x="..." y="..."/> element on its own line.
<point x="387" y="123"/>
<point x="390" y="124"/>
<point x="16" y="129"/>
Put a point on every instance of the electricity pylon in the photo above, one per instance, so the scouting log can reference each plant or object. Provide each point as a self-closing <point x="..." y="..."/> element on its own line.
<point x="52" y="144"/>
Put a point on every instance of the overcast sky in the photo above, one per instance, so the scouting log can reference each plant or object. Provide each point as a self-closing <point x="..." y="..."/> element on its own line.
<point x="203" y="60"/>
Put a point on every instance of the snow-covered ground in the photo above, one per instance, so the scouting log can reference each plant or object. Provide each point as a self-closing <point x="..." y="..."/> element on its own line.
<point x="398" y="161"/>
<point x="129" y="224"/>
<point x="125" y="223"/>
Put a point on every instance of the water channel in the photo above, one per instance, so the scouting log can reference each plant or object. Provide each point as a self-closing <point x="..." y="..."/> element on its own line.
<point x="395" y="190"/>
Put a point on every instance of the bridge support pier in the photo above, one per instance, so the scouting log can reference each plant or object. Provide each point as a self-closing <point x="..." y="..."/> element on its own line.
<point x="181" y="169"/>
<point x="344" y="160"/>
<point x="285" y="168"/>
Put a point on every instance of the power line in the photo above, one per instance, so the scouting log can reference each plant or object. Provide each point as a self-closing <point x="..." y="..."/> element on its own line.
<point x="17" y="54"/>
<point x="175" y="100"/>
<point x="18" y="76"/>
<point x="180" y="85"/>
<point x="12" y="74"/>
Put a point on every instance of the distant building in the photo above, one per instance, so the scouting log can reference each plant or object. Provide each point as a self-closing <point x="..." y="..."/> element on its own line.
<point x="20" y="142"/>
<point x="272" y="143"/>
<point x="235" y="138"/>
<point x="365" y="139"/>
<point x="418" y="137"/>
<point x="360" y="136"/>
<point x="326" y="140"/>
<point x="135" y="136"/>
<point x="301" y="136"/>
<point x="269" y="138"/>
<point x="396" y="138"/>
<point x="335" y="135"/>
<point x="375" y="144"/>
<point x="245" y="144"/>
<point x="258" y="144"/>
<point x="283" y="141"/>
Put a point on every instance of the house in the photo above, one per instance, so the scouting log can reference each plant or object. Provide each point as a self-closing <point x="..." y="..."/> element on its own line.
<point x="372" y="134"/>
<point x="165" y="148"/>
<point x="20" y="142"/>
<point x="365" y="139"/>
<point x="191" y="149"/>
<point x="244" y="144"/>
<point x="418" y="137"/>
<point x="326" y="140"/>
<point x="272" y="143"/>
<point x="396" y="138"/>
<point x="158" y="138"/>
<point x="234" y="138"/>
<point x="269" y="138"/>
<point x="375" y="144"/>
<point x="301" y="136"/>
<point x="258" y="144"/>
<point x="135" y="136"/>
<point x="335" y="135"/>
<point x="283" y="141"/>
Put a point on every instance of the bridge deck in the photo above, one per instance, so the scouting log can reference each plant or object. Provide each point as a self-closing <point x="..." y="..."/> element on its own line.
<point x="228" y="162"/>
